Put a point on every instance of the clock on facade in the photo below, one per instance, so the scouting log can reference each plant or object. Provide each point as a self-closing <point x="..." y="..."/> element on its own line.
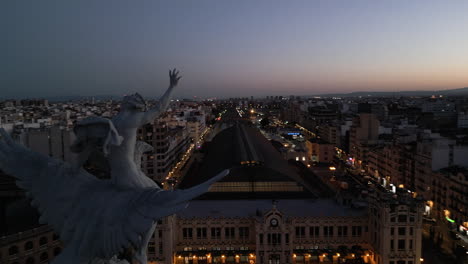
<point x="274" y="222"/>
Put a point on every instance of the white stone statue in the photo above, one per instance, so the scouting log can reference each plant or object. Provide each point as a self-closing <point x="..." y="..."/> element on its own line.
<point x="97" y="219"/>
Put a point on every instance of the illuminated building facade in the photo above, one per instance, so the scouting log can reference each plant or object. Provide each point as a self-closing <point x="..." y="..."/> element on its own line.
<point x="364" y="132"/>
<point x="320" y="151"/>
<point x="291" y="231"/>
<point x="169" y="144"/>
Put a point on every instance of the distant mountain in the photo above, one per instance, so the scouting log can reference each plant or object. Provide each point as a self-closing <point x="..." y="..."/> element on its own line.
<point x="459" y="91"/>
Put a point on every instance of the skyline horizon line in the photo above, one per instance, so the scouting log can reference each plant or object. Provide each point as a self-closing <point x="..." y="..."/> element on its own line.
<point x="263" y="95"/>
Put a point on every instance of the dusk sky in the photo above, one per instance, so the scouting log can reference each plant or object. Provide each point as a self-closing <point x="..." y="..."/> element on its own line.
<point x="231" y="48"/>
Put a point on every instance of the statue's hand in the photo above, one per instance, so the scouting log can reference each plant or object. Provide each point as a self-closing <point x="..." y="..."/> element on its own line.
<point x="173" y="77"/>
<point x="151" y="114"/>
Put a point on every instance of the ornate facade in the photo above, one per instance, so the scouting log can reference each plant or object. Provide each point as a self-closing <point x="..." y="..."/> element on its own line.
<point x="388" y="231"/>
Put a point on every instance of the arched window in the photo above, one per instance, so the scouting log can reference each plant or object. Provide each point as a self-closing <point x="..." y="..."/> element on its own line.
<point x="55" y="237"/>
<point x="57" y="251"/>
<point x="29" y="245"/>
<point x="44" y="257"/>
<point x="30" y="261"/>
<point x="42" y="241"/>
<point x="13" y="250"/>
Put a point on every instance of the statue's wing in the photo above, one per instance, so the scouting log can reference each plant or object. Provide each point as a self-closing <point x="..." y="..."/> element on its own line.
<point x="93" y="216"/>
<point x="132" y="213"/>
<point x="125" y="216"/>
<point x="53" y="185"/>
<point x="151" y="203"/>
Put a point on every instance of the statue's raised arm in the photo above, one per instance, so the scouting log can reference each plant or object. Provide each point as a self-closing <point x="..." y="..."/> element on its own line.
<point x="151" y="114"/>
<point x="133" y="115"/>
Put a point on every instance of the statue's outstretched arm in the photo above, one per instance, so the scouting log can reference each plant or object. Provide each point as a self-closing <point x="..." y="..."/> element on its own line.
<point x="163" y="103"/>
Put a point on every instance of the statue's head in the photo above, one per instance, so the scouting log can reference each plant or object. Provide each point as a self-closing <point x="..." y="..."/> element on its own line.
<point x="134" y="102"/>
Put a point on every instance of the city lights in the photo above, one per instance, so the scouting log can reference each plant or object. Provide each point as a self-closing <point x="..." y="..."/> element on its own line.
<point x="301" y="132"/>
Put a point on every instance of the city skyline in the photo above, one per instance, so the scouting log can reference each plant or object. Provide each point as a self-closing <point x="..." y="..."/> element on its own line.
<point x="225" y="49"/>
<point x="311" y="180"/>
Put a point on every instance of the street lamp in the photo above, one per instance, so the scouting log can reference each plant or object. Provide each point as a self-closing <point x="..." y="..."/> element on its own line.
<point x="333" y="169"/>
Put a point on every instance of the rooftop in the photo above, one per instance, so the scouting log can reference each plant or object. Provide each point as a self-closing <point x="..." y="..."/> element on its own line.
<point x="252" y="208"/>
<point x="236" y="145"/>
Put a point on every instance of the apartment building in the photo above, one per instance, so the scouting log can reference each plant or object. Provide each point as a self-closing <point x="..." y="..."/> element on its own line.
<point x="38" y="245"/>
<point x="364" y="132"/>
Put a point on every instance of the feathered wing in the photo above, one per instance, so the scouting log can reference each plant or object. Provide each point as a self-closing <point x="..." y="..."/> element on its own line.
<point x="50" y="183"/>
<point x="91" y="215"/>
<point x="132" y="213"/>
<point x="149" y="201"/>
